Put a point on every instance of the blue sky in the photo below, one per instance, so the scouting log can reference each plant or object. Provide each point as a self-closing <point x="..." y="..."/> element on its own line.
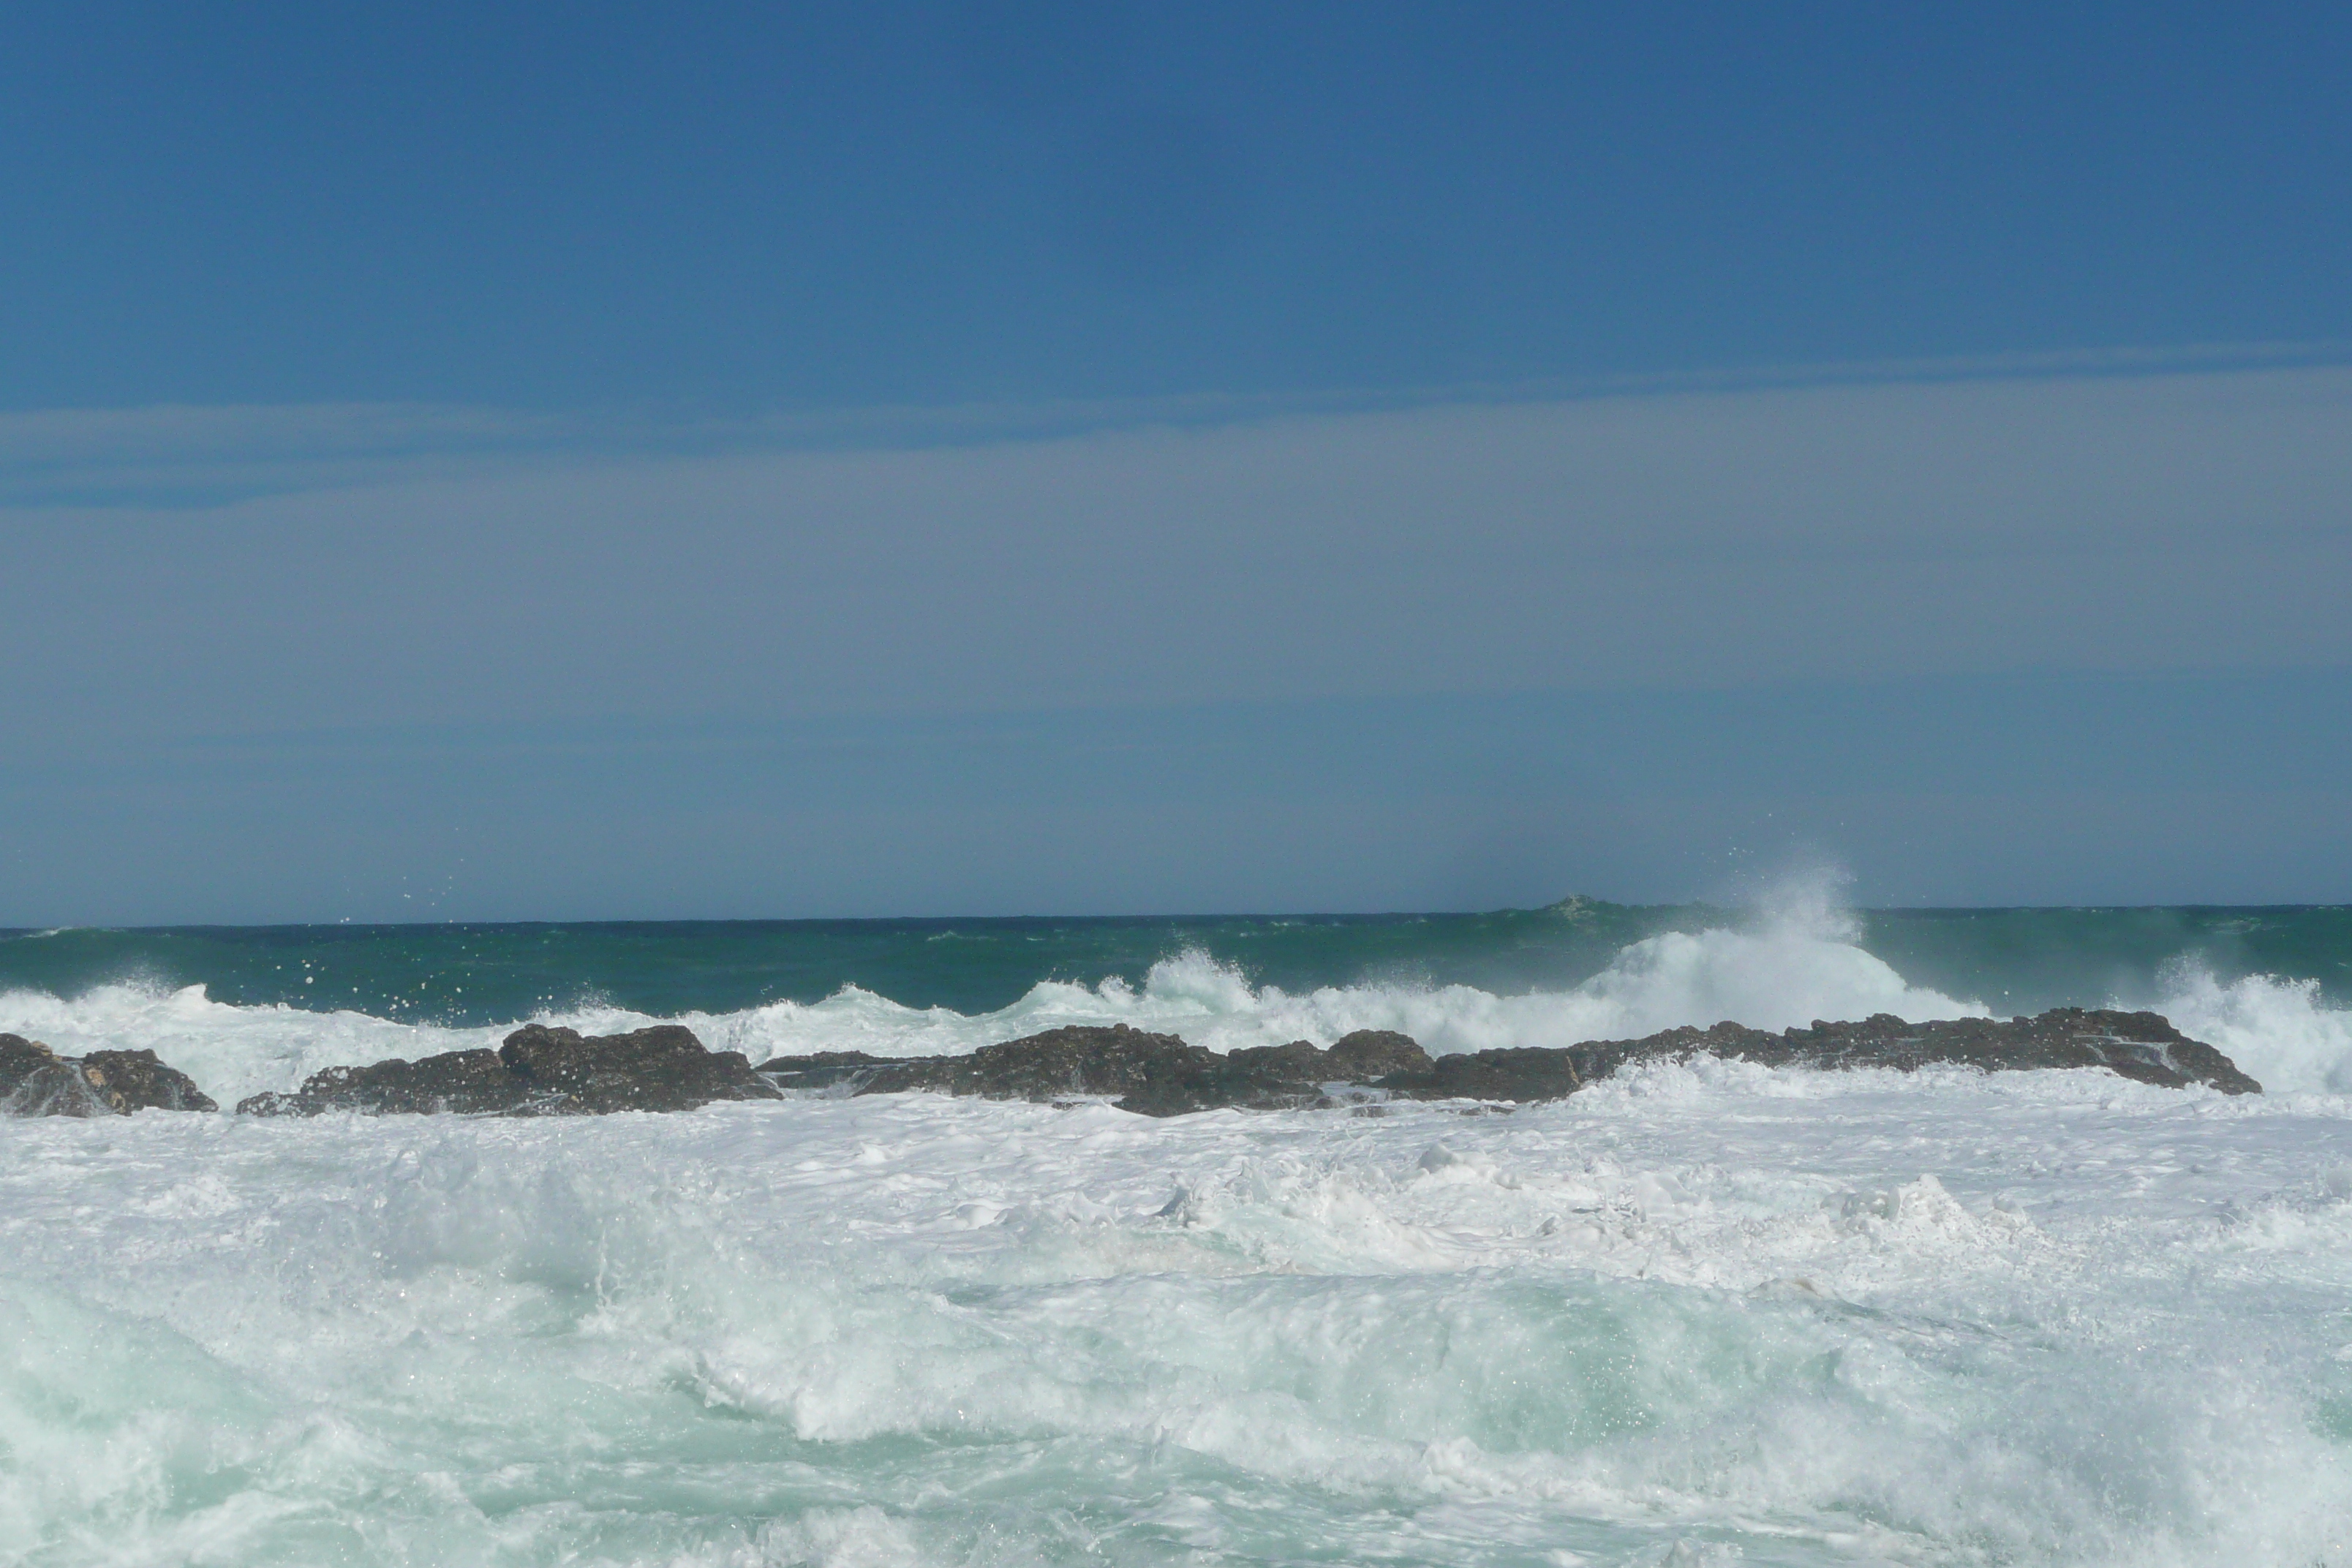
<point x="708" y="461"/>
<point x="751" y="207"/>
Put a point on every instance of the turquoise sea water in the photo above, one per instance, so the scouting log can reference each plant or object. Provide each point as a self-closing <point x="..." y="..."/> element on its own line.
<point x="2019" y="959"/>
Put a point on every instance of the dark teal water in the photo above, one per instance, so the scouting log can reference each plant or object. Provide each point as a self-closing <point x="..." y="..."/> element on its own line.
<point x="2017" y="960"/>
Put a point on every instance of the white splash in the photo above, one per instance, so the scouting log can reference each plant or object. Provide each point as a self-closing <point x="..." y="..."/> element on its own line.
<point x="2280" y="1030"/>
<point x="1799" y="961"/>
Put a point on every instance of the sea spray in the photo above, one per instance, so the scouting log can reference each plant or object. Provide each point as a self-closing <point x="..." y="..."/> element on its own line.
<point x="2281" y="1030"/>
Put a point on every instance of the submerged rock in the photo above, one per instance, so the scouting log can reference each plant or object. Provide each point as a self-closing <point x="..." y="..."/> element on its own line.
<point x="37" y="1081"/>
<point x="1159" y="1075"/>
<point x="538" y="1071"/>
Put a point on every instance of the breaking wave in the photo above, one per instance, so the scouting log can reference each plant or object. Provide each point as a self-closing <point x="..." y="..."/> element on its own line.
<point x="2280" y="1030"/>
<point x="1801" y="959"/>
<point x="1800" y="963"/>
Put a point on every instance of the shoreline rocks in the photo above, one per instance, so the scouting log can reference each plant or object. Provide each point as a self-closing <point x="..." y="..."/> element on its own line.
<point x="2143" y="1047"/>
<point x="1152" y="1075"/>
<point x="538" y="1071"/>
<point x="1159" y="1075"/>
<point x="37" y="1081"/>
<point x="542" y="1071"/>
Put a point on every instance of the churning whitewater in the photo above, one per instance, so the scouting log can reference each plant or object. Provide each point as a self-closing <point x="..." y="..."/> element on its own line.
<point x="1699" y="1313"/>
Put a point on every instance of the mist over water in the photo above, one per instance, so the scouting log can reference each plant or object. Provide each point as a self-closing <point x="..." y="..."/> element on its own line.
<point x="1704" y="1313"/>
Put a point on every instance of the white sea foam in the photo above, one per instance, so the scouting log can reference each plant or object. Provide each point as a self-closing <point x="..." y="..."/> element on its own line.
<point x="230" y="1051"/>
<point x="1705" y="1313"/>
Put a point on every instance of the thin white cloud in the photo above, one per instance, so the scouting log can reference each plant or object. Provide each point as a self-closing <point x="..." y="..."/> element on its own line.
<point x="2180" y="521"/>
<point x="165" y="453"/>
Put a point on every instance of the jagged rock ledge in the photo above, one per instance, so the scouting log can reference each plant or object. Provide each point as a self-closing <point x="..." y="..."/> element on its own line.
<point x="541" y="1071"/>
<point x="1156" y="1075"/>
<point x="1159" y="1075"/>
<point x="538" y="1071"/>
<point x="37" y="1081"/>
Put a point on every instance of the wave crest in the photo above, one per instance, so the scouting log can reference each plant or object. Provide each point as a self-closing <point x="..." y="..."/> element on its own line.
<point x="2280" y="1030"/>
<point x="1799" y="964"/>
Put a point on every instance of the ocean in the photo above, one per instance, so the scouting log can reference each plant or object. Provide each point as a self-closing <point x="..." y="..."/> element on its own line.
<point x="1702" y="1313"/>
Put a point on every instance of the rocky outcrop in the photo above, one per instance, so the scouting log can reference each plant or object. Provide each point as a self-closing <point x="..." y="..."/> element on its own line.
<point x="541" y="1071"/>
<point x="2142" y="1046"/>
<point x="661" y="1068"/>
<point x="538" y="1071"/>
<point x="1156" y="1074"/>
<point x="37" y="1081"/>
<point x="1159" y="1075"/>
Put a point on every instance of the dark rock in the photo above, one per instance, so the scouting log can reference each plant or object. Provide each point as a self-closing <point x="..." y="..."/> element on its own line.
<point x="1159" y="1075"/>
<point x="1298" y="1063"/>
<point x="1526" y="1072"/>
<point x="1155" y="1074"/>
<point x="37" y="1081"/>
<point x="138" y="1080"/>
<point x="661" y="1068"/>
<point x="1370" y="1054"/>
<point x="20" y="1058"/>
<point x="2142" y="1046"/>
<point x="538" y="1071"/>
<point x="541" y="1071"/>
<point x="461" y="1083"/>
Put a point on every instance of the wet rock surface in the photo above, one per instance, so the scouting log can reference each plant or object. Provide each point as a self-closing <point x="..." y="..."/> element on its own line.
<point x="538" y="1071"/>
<point x="2141" y="1046"/>
<point x="37" y="1081"/>
<point x="1159" y="1075"/>
<point x="541" y="1071"/>
<point x="1155" y="1074"/>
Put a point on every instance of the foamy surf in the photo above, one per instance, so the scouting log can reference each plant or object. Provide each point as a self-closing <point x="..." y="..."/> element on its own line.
<point x="1789" y="970"/>
<point x="1706" y="1313"/>
<point x="1778" y="978"/>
